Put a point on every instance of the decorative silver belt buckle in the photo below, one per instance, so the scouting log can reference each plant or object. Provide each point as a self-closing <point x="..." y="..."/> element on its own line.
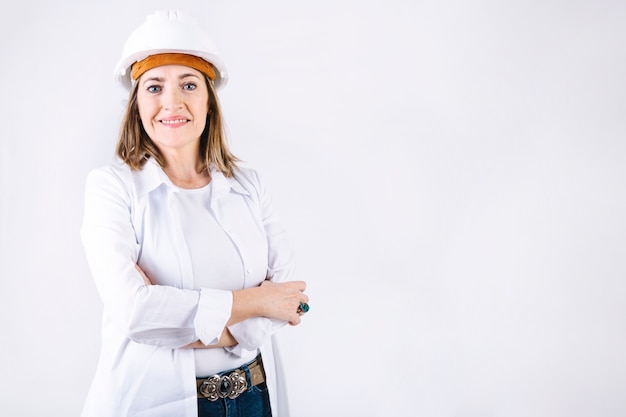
<point x="216" y="387"/>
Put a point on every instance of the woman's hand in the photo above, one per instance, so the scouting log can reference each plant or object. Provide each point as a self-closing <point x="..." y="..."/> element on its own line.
<point x="278" y="301"/>
<point x="146" y="280"/>
<point x="284" y="299"/>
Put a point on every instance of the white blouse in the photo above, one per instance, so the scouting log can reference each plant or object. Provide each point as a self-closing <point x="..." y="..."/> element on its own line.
<point x="134" y="217"/>
<point x="217" y="264"/>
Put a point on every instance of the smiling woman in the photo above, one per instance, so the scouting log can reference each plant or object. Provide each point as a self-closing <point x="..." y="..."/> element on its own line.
<point x="193" y="269"/>
<point x="173" y="102"/>
<point x="166" y="95"/>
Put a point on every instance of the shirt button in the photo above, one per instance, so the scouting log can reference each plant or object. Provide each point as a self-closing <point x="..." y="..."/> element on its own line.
<point x="249" y="271"/>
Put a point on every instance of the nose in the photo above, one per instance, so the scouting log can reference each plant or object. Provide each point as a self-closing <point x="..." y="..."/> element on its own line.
<point x="172" y="98"/>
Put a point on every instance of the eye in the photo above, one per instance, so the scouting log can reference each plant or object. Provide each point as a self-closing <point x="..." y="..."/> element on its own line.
<point x="189" y="86"/>
<point x="154" y="89"/>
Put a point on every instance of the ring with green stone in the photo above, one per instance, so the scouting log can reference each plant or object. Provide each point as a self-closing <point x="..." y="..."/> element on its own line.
<point x="303" y="308"/>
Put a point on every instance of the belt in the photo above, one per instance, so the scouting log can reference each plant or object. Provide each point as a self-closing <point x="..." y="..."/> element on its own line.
<point x="231" y="384"/>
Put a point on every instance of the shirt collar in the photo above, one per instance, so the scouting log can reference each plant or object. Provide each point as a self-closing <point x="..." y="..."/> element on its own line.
<point x="151" y="176"/>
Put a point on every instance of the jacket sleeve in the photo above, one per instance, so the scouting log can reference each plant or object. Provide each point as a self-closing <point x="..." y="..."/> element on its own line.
<point x="163" y="316"/>
<point x="254" y="332"/>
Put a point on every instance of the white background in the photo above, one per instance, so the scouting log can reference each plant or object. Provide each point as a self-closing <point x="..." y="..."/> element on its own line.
<point x="451" y="173"/>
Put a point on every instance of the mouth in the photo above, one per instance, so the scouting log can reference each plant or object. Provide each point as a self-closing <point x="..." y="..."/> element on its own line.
<point x="174" y="122"/>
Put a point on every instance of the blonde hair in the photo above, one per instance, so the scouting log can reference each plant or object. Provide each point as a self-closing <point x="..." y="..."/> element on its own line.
<point x="135" y="147"/>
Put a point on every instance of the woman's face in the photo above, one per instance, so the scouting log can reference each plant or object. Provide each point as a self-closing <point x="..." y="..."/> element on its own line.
<point x="173" y="102"/>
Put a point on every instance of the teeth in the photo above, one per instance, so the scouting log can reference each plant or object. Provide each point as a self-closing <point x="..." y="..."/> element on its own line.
<point x="173" y="122"/>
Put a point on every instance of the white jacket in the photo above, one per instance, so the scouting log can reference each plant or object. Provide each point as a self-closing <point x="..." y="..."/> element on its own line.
<point x="129" y="218"/>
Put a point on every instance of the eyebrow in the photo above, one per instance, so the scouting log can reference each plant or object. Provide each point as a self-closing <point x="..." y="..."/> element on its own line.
<point x="161" y="79"/>
<point x="187" y="75"/>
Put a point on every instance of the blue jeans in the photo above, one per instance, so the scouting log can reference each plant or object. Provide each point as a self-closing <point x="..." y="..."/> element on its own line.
<point x="255" y="402"/>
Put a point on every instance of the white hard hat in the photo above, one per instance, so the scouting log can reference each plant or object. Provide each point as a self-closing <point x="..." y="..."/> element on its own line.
<point x="169" y="32"/>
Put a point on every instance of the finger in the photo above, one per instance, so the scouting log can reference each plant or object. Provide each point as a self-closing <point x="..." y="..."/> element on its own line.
<point x="303" y="308"/>
<point x="266" y="283"/>
<point x="145" y="278"/>
<point x="299" y="285"/>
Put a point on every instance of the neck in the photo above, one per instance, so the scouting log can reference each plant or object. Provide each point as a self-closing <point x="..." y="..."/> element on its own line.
<point x="187" y="173"/>
<point x="188" y="179"/>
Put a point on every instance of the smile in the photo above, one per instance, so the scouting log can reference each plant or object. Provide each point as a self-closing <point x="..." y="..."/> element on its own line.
<point x="174" y="122"/>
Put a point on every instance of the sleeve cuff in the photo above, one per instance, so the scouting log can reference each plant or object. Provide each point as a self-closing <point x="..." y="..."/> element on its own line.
<point x="252" y="334"/>
<point x="236" y="350"/>
<point x="214" y="310"/>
